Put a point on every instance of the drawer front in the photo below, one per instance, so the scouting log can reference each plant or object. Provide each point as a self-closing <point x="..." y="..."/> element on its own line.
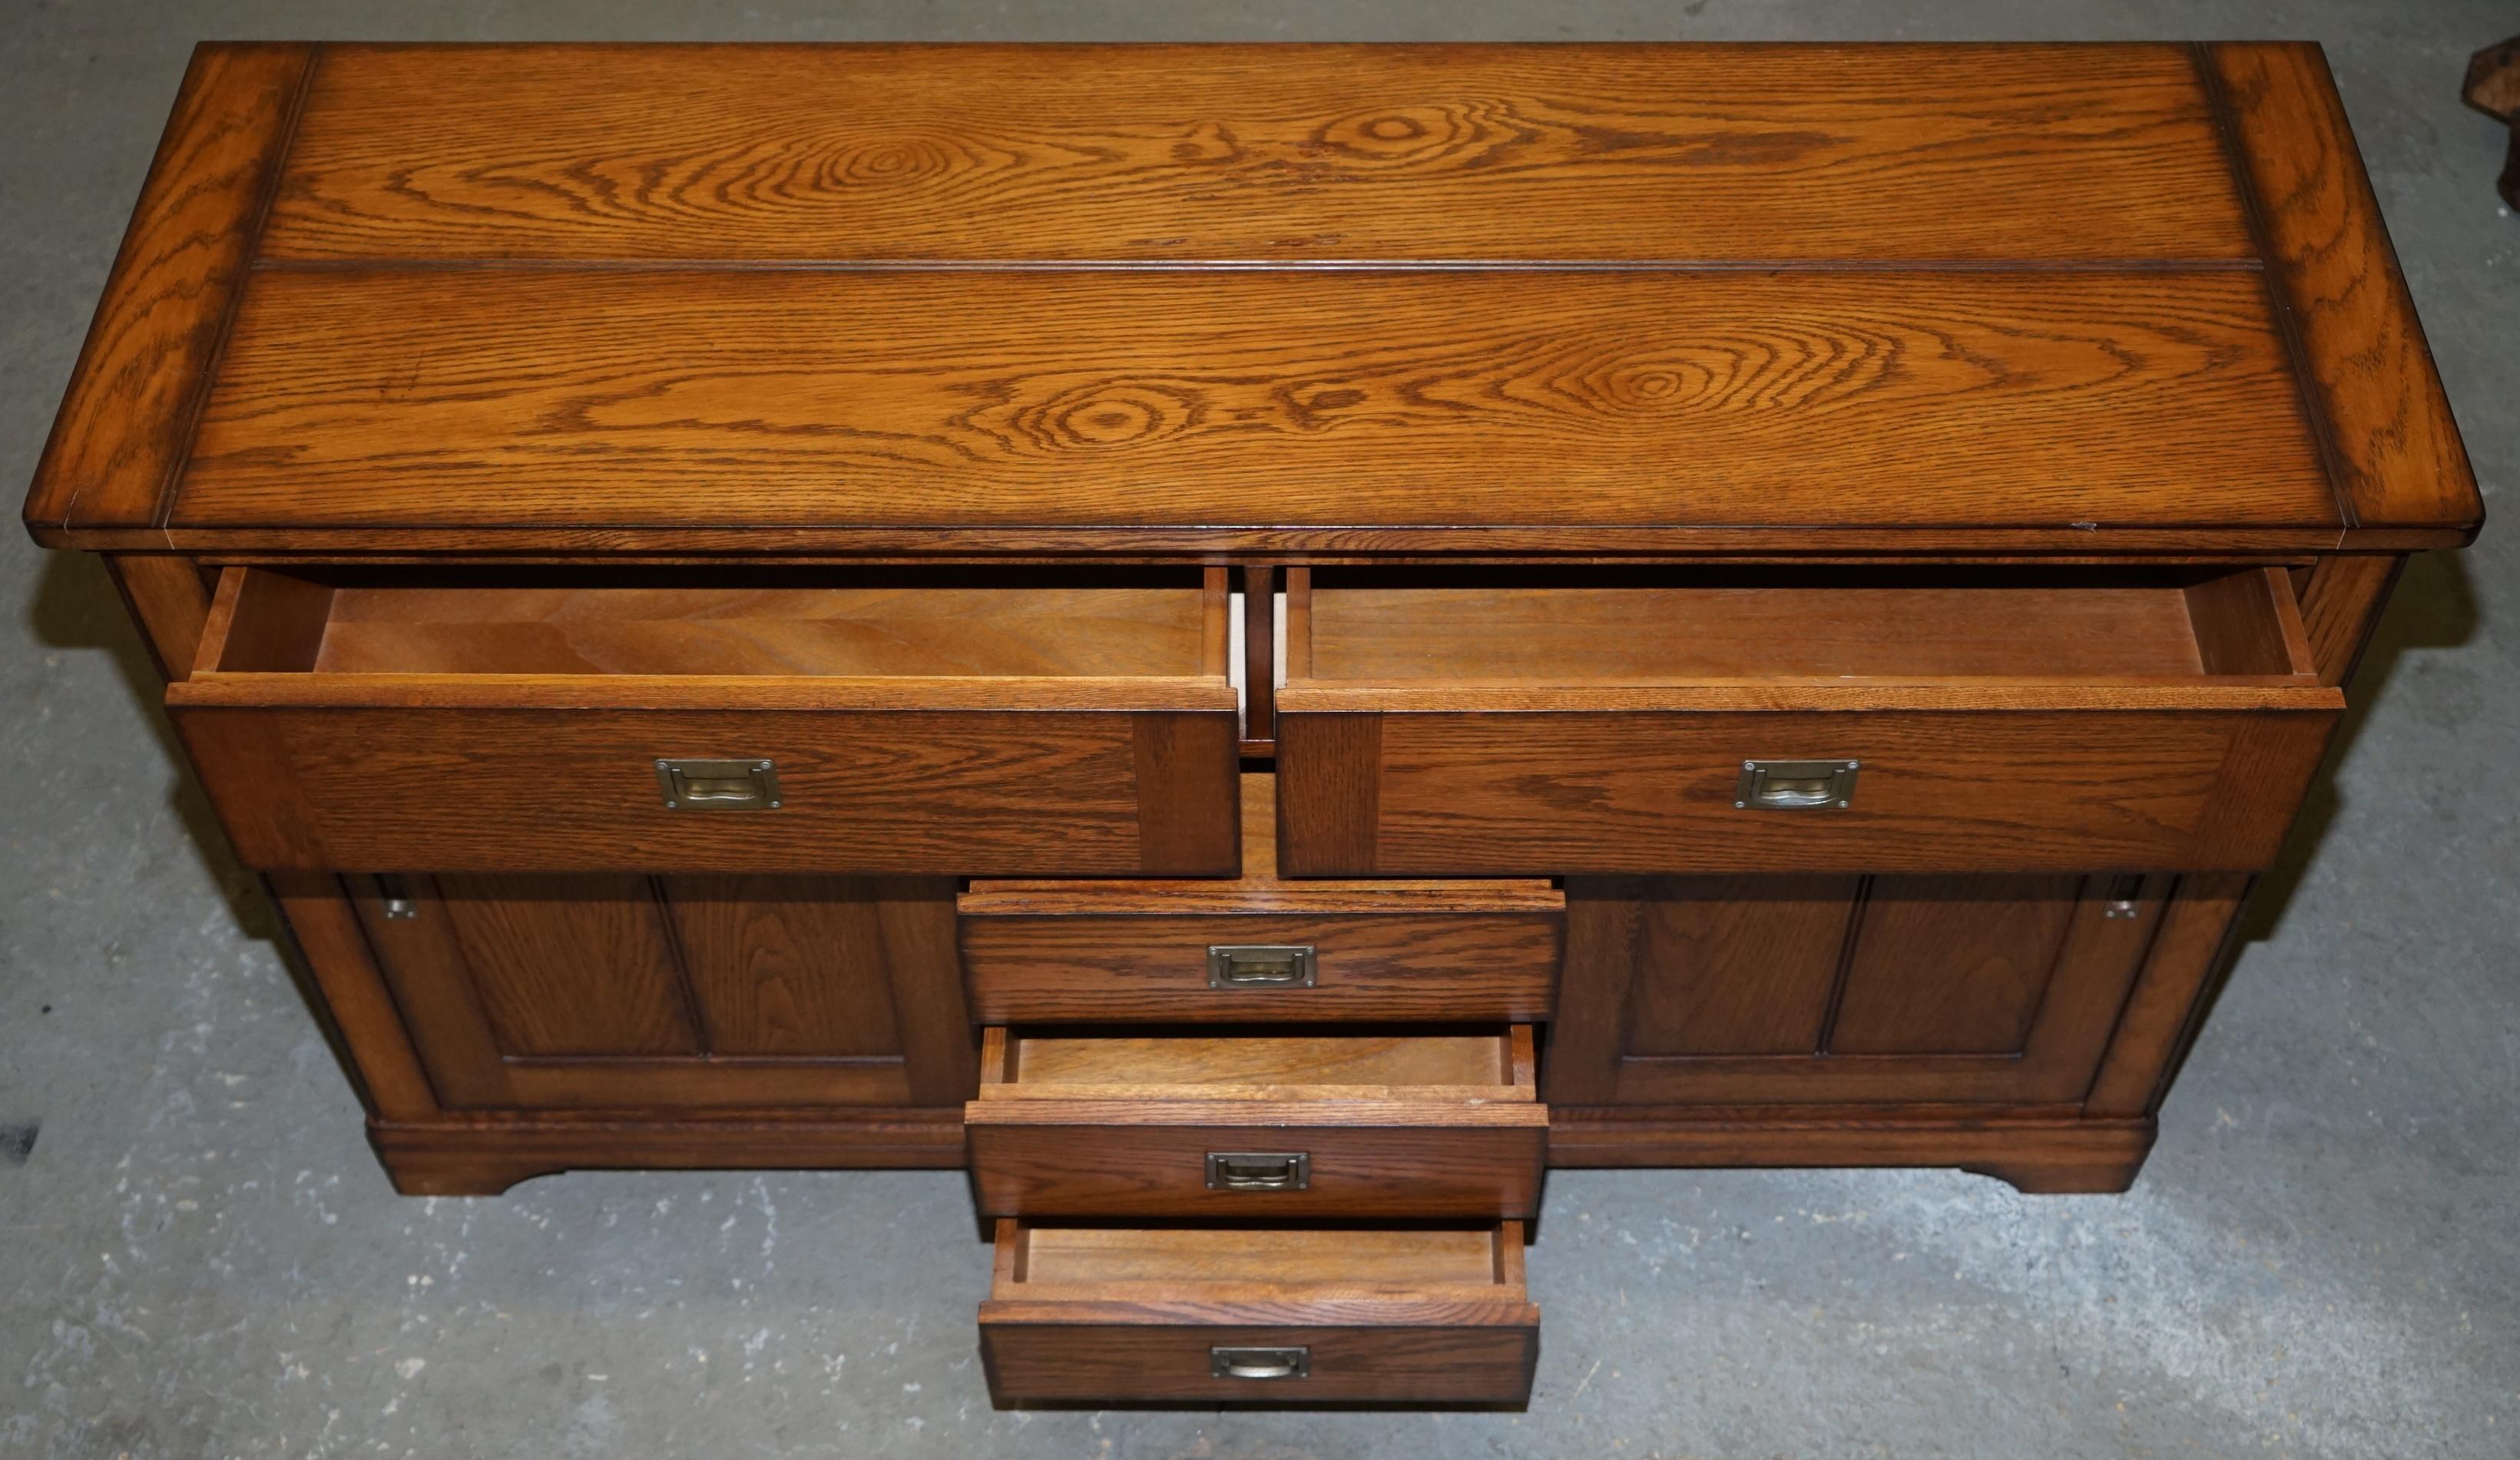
<point x="1118" y="1159"/>
<point x="1373" y="784"/>
<point x="870" y="792"/>
<point x="1452" y="966"/>
<point x="1051" y="1362"/>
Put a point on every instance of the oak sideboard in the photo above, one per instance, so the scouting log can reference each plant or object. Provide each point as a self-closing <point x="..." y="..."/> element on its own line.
<point x="1256" y="643"/>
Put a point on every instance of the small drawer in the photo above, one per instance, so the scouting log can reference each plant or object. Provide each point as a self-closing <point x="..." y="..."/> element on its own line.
<point x="1363" y="1124"/>
<point x="869" y="722"/>
<point x="1792" y="720"/>
<point x="1259" y="1315"/>
<point x="1259" y="948"/>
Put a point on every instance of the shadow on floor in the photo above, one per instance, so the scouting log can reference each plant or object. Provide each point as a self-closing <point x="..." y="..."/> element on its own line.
<point x="2433" y="607"/>
<point x="77" y="607"/>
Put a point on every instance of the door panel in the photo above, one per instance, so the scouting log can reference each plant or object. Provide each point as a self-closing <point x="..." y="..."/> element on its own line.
<point x="1952" y="965"/>
<point x="1682" y="991"/>
<point x="570" y="965"/>
<point x="770" y="960"/>
<point x="701" y="993"/>
<point x="1743" y="965"/>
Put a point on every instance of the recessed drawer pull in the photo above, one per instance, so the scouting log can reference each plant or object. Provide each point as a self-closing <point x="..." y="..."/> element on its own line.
<point x="1259" y="1171"/>
<point x="1259" y="1363"/>
<point x="1795" y="786"/>
<point x="1249" y="965"/>
<point x="718" y="786"/>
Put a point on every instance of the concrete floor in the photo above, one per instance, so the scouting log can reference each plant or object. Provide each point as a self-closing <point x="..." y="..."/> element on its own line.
<point x="200" y="1258"/>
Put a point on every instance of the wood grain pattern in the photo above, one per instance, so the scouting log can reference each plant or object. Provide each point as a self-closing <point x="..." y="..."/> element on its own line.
<point x="484" y="1156"/>
<point x="2246" y="623"/>
<point x="263" y="622"/>
<point x="675" y="995"/>
<point x="1184" y="771"/>
<point x="571" y="966"/>
<point x="1605" y="921"/>
<point x="127" y="419"/>
<point x="1258" y="891"/>
<point x="1736" y="965"/>
<point x="1389" y="1162"/>
<point x="670" y="542"/>
<point x="318" y="921"/>
<point x="785" y="965"/>
<point x="715" y="304"/>
<point x="2342" y="597"/>
<point x="1412" y="1125"/>
<point x="1052" y="1261"/>
<point x="1345" y="1065"/>
<point x="1391" y="1315"/>
<point x="471" y="399"/>
<point x="1284" y="153"/>
<point x="166" y="597"/>
<point x="1137" y="950"/>
<point x="2048" y="1155"/>
<point x="2393" y="444"/>
<point x="1741" y="624"/>
<point x="1375" y="966"/>
<point x="1519" y="792"/>
<point x="2169" y="997"/>
<point x="1993" y="942"/>
<point x="907" y="629"/>
<point x="744" y="693"/>
<point x="1990" y="992"/>
<point x="422" y="960"/>
<point x="1046" y="1362"/>
<point x="938" y="1042"/>
<point x="884" y="794"/>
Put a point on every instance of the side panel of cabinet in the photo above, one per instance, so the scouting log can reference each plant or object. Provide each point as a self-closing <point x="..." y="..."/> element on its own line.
<point x="677" y="992"/>
<point x="1689" y="990"/>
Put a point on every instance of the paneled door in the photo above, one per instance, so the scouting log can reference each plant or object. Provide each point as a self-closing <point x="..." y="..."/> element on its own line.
<point x="569" y="991"/>
<point x="1755" y="990"/>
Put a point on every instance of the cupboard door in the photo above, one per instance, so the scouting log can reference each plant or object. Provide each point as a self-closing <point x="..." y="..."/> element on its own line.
<point x="629" y="993"/>
<point x="1751" y="990"/>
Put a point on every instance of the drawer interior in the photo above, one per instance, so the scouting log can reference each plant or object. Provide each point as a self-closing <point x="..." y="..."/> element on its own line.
<point x="1266" y="1314"/>
<point x="1614" y="625"/>
<point x="1259" y="890"/>
<point x="1476" y="1064"/>
<point x="796" y="622"/>
<point x="1043" y="1261"/>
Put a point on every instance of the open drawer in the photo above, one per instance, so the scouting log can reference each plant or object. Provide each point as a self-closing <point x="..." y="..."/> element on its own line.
<point x="1805" y="719"/>
<point x="935" y="721"/>
<point x="1258" y="1316"/>
<point x="1221" y="1123"/>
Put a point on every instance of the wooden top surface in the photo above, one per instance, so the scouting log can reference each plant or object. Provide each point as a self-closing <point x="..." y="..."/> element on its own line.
<point x="1327" y="298"/>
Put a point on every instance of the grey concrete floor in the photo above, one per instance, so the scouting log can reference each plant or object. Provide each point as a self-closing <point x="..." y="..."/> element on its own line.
<point x="199" y="1257"/>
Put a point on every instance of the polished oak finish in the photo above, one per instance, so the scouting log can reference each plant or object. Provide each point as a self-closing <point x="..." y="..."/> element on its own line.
<point x="2140" y="719"/>
<point x="434" y="734"/>
<point x="630" y="993"/>
<point x="1115" y="399"/>
<point x="546" y="298"/>
<point x="1291" y="154"/>
<point x="1126" y="952"/>
<point x="1415" y="1123"/>
<point x="1255" y="643"/>
<point x="1393" y="1315"/>
<point x="125" y="424"/>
